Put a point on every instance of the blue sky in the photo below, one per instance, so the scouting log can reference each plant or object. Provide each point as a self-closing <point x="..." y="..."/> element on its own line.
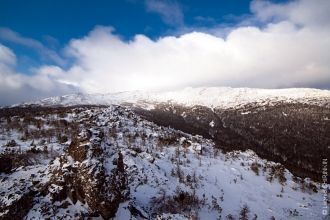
<point x="58" y="47"/>
<point x="55" y="23"/>
<point x="64" y="20"/>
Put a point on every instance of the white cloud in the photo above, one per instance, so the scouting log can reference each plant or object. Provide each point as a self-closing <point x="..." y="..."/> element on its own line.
<point x="301" y="12"/>
<point x="16" y="87"/>
<point x="170" y="11"/>
<point x="6" y="55"/>
<point x="11" y="36"/>
<point x="287" y="51"/>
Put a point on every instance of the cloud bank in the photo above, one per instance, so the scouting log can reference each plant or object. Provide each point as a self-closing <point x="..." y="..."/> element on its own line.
<point x="290" y="48"/>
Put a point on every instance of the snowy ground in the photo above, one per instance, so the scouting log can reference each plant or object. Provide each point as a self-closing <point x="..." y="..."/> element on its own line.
<point x="171" y="175"/>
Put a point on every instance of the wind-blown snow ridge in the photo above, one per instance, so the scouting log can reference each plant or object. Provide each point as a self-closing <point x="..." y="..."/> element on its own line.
<point x="222" y="97"/>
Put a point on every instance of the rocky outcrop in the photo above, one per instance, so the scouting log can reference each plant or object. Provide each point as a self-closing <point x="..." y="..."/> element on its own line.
<point x="82" y="176"/>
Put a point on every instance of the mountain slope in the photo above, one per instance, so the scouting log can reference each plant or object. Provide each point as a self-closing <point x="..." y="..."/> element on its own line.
<point x="87" y="161"/>
<point x="296" y="135"/>
<point x="290" y="126"/>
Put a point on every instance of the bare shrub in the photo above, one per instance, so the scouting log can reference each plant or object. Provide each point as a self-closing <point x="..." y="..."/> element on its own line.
<point x="255" y="168"/>
<point x="244" y="213"/>
<point x="180" y="202"/>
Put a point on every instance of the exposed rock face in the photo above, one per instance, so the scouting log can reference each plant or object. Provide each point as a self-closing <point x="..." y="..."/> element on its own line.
<point x="82" y="176"/>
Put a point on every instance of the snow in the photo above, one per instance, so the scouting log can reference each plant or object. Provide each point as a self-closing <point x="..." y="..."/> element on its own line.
<point x="220" y="176"/>
<point x="213" y="97"/>
<point x="152" y="168"/>
<point x="16" y="185"/>
<point x="123" y="212"/>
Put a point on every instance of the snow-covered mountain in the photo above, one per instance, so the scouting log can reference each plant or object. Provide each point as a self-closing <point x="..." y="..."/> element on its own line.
<point x="102" y="162"/>
<point x="220" y="97"/>
<point x="196" y="153"/>
<point x="289" y="126"/>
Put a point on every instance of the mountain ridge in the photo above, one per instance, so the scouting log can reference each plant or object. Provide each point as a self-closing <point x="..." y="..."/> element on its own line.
<point x="214" y="97"/>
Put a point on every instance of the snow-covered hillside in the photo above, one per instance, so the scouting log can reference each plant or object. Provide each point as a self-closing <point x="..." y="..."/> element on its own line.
<point x="221" y="97"/>
<point x="101" y="162"/>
